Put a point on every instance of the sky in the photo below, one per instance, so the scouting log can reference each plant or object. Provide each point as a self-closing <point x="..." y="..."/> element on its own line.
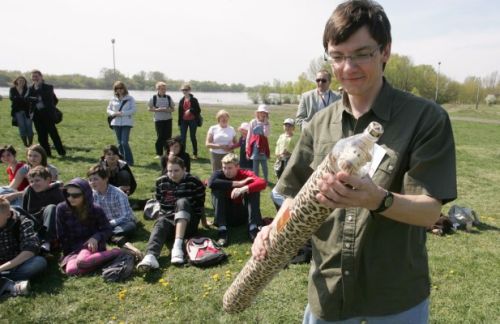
<point x="233" y="41"/>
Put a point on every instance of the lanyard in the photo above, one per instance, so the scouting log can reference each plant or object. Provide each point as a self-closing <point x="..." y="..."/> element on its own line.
<point x="325" y="103"/>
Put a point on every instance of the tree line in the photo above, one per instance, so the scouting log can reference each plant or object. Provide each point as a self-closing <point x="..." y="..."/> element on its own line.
<point x="140" y="81"/>
<point x="421" y="80"/>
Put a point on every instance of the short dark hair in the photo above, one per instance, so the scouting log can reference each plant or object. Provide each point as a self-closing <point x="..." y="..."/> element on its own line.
<point x="35" y="71"/>
<point x="99" y="171"/>
<point x="352" y="15"/>
<point x="111" y="148"/>
<point x="176" y="160"/>
<point x="323" y="71"/>
<point x="40" y="171"/>
<point x="8" y="148"/>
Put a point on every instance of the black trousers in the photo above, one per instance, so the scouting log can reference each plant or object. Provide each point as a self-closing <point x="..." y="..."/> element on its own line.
<point x="44" y="127"/>
<point x="163" y="133"/>
<point x="229" y="213"/>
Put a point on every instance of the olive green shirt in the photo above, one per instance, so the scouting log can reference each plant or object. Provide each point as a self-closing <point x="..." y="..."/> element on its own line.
<point x="365" y="264"/>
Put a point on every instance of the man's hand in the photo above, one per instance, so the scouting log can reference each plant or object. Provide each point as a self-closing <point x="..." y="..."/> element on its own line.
<point x="342" y="191"/>
<point x="261" y="243"/>
<point x="237" y="192"/>
<point x="92" y="245"/>
<point x="125" y="189"/>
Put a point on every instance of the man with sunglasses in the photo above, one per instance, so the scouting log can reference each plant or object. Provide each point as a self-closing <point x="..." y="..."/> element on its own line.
<point x="315" y="100"/>
<point x="369" y="260"/>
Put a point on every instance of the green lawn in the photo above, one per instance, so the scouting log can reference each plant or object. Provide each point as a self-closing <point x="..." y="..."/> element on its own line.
<point x="464" y="266"/>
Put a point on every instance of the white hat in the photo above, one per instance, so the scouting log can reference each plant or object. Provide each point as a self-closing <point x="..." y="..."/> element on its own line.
<point x="289" y="121"/>
<point x="263" y="108"/>
<point x="245" y="126"/>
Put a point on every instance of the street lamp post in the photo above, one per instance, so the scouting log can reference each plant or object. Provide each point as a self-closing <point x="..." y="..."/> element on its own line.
<point x="114" y="65"/>
<point x="437" y="82"/>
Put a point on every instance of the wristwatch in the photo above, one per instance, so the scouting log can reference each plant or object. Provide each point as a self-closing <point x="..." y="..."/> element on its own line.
<point x="386" y="202"/>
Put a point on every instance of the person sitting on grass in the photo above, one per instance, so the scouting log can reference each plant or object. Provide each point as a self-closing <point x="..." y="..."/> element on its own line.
<point x="115" y="204"/>
<point x="8" y="156"/>
<point x="19" y="247"/>
<point x="36" y="156"/>
<point x="82" y="230"/>
<point x="40" y="200"/>
<point x="120" y="174"/>
<point x="182" y="197"/>
<point x="175" y="148"/>
<point x="236" y="198"/>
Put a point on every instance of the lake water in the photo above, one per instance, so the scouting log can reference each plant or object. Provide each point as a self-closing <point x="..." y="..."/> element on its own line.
<point x="220" y="98"/>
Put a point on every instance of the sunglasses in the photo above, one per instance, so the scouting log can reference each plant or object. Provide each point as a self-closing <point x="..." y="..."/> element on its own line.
<point x="321" y="80"/>
<point x="73" y="194"/>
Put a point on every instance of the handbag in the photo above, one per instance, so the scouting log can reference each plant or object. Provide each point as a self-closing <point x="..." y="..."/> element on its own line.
<point x="14" y="121"/>
<point x="110" y="118"/>
<point x="57" y="115"/>
<point x="152" y="209"/>
<point x="199" y="121"/>
<point x="279" y="167"/>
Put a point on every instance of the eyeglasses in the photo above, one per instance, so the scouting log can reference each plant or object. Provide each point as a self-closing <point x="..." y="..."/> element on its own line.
<point x="73" y="194"/>
<point x="358" y="58"/>
<point x="321" y="80"/>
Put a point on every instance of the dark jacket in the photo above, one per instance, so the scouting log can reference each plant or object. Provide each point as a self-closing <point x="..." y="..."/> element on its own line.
<point x="73" y="233"/>
<point x="45" y="94"/>
<point x="114" y="179"/>
<point x="16" y="236"/>
<point x="35" y="202"/>
<point x="19" y="101"/>
<point x="195" y="108"/>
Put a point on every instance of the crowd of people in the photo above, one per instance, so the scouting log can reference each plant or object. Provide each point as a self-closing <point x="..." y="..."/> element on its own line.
<point x="369" y="257"/>
<point x="82" y="217"/>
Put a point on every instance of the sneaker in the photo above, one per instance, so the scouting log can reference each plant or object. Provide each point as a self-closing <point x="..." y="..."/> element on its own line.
<point x="177" y="256"/>
<point x="45" y="247"/>
<point x="222" y="238"/>
<point x="149" y="262"/>
<point x="253" y="233"/>
<point x="20" y="288"/>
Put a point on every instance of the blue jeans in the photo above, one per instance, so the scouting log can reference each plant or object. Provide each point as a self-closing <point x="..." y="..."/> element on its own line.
<point x="192" y="125"/>
<point x="418" y="314"/>
<point x="24" y="123"/>
<point x="122" y="136"/>
<point x="255" y="167"/>
<point x="26" y="270"/>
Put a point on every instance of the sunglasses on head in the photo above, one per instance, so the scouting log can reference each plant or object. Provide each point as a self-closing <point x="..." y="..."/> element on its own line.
<point x="73" y="194"/>
<point x="321" y="80"/>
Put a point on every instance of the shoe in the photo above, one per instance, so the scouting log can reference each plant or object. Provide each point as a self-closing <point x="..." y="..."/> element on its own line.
<point x="45" y="247"/>
<point x="222" y="238"/>
<point x="20" y="288"/>
<point x="149" y="262"/>
<point x="177" y="257"/>
<point x="253" y="233"/>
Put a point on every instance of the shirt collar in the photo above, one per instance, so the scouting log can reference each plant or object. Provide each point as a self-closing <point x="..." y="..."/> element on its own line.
<point x="381" y="106"/>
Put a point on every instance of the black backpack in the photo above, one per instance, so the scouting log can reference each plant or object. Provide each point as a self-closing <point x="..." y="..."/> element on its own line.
<point x="202" y="252"/>
<point x="120" y="268"/>
<point x="155" y="98"/>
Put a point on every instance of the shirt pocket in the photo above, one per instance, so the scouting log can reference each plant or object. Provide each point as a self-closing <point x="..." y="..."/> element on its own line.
<point x="386" y="170"/>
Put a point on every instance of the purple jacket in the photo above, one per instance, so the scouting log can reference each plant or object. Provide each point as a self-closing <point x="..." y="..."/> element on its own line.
<point x="73" y="233"/>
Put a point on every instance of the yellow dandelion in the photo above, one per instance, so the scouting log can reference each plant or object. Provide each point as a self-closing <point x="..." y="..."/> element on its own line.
<point x="161" y="280"/>
<point x="452" y="271"/>
<point x="247" y="253"/>
<point x="113" y="318"/>
<point x="206" y="286"/>
<point x="240" y="261"/>
<point x="216" y="277"/>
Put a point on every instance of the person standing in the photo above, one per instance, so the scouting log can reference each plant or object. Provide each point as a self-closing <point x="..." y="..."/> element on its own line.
<point x="221" y="139"/>
<point x="315" y="100"/>
<point x="258" y="140"/>
<point x="369" y="257"/>
<point x="162" y="106"/>
<point x="122" y="108"/>
<point x="189" y="114"/>
<point x="20" y="112"/>
<point x="43" y="105"/>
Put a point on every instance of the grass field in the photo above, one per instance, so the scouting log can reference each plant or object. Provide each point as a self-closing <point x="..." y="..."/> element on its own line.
<point x="464" y="266"/>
